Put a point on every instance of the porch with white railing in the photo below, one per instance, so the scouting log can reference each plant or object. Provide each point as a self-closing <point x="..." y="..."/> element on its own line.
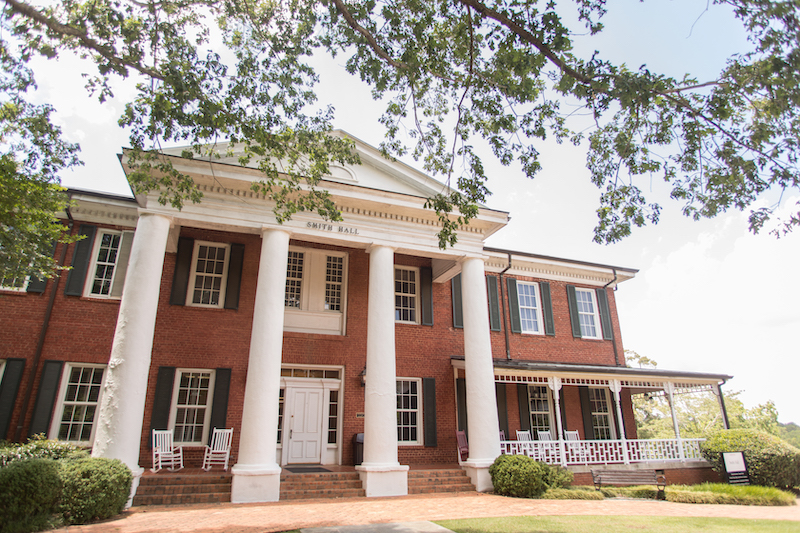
<point x="588" y="452"/>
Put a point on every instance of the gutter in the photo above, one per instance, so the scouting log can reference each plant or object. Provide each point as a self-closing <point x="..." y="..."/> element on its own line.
<point x="503" y="307"/>
<point x="613" y="337"/>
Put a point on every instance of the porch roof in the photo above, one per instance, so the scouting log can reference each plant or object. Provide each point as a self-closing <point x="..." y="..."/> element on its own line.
<point x="641" y="379"/>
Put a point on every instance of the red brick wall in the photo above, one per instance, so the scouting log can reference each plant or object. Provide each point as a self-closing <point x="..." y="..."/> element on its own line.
<point x="675" y="476"/>
<point x="81" y="330"/>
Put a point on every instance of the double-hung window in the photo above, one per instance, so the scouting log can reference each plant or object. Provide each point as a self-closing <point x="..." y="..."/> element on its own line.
<point x="530" y="308"/>
<point x="209" y="274"/>
<point x="587" y="314"/>
<point x="409" y="411"/>
<point x="78" y="403"/>
<point x="541" y="409"/>
<point x="316" y="291"/>
<point x="109" y="263"/>
<point x="406" y="294"/>
<point x="602" y="421"/>
<point x="191" y="408"/>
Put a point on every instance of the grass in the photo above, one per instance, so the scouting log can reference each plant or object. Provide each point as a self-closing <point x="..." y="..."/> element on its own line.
<point x="615" y="524"/>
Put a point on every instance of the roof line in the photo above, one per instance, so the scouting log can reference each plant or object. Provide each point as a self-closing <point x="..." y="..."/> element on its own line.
<point x="561" y="259"/>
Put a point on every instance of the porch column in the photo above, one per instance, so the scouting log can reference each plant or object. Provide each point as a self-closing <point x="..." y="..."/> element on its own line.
<point x="256" y="475"/>
<point x="670" y="388"/>
<point x="119" y="423"/>
<point x="484" y="428"/>
<point x="555" y="385"/>
<point x="717" y="389"/>
<point x="381" y="473"/>
<point x="616" y="388"/>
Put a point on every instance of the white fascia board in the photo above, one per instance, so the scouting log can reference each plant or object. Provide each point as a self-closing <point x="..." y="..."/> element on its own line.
<point x="557" y="270"/>
<point x="102" y="209"/>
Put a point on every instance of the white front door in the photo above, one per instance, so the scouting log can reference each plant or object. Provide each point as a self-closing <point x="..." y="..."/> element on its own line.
<point x="305" y="424"/>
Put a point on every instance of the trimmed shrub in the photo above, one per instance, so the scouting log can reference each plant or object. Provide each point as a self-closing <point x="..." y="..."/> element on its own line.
<point x="29" y="494"/>
<point x="771" y="461"/>
<point x="730" y="494"/>
<point x="518" y="475"/>
<point x="94" y="488"/>
<point x="572" y="494"/>
<point x="521" y="476"/>
<point x="645" y="492"/>
<point x="39" y="447"/>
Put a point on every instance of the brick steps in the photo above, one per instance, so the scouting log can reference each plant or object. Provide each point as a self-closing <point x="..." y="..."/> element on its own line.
<point x="171" y="489"/>
<point x="436" y="481"/>
<point x="321" y="485"/>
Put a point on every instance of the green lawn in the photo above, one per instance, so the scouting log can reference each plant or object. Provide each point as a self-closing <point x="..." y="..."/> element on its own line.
<point x="616" y="524"/>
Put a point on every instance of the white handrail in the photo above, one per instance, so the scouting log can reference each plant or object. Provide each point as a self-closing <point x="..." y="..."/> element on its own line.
<point x="606" y="451"/>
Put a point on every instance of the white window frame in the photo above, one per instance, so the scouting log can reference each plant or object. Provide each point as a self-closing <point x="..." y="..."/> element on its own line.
<point x="312" y="312"/>
<point x="415" y="411"/>
<point x="584" y="315"/>
<point x="13" y="288"/>
<point x="92" y="270"/>
<point x="58" y="414"/>
<point x="404" y="294"/>
<point x="607" y="414"/>
<point x="173" y="414"/>
<point x="193" y="275"/>
<point x="534" y="312"/>
<point x="551" y="427"/>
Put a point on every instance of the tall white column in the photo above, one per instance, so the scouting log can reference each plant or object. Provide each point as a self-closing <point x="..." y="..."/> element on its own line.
<point x="256" y="475"/>
<point x="616" y="388"/>
<point x="381" y="473"/>
<point x="119" y="423"/>
<point x="482" y="423"/>
<point x="555" y="385"/>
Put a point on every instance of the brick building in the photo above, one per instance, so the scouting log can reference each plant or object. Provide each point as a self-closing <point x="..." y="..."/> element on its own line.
<point x="302" y="335"/>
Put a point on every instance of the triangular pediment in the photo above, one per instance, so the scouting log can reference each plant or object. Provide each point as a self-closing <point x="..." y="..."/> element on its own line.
<point x="376" y="172"/>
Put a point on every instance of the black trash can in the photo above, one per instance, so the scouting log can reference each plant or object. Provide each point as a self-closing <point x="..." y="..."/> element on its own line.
<point x="358" y="448"/>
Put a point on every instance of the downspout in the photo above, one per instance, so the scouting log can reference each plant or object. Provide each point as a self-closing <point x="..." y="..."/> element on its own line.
<point x="613" y="337"/>
<point x="503" y="307"/>
<point x="725" y="423"/>
<point x="43" y="332"/>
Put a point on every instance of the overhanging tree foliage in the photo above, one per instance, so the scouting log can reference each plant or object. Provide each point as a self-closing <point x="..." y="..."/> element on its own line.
<point x="450" y="72"/>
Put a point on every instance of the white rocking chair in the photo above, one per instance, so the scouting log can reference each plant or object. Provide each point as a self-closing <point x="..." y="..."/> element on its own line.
<point x="219" y="452"/>
<point x="526" y="444"/>
<point x="578" y="448"/>
<point x="165" y="454"/>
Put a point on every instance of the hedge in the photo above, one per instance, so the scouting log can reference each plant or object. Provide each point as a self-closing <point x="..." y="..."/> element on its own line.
<point x="29" y="494"/>
<point x="521" y="476"/>
<point x="771" y="462"/>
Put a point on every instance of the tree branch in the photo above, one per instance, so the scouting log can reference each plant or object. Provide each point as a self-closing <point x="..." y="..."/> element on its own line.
<point x="108" y="53"/>
<point x="373" y="43"/>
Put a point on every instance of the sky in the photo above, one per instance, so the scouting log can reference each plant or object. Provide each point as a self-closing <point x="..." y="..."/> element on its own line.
<point x="708" y="297"/>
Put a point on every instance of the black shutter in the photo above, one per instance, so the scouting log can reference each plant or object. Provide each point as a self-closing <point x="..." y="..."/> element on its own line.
<point x="219" y="405"/>
<point x="502" y="407"/>
<point x="605" y="314"/>
<point x="426" y="295"/>
<point x="494" y="303"/>
<point x="81" y="258"/>
<point x="563" y="413"/>
<point x="162" y="401"/>
<point x="234" y="282"/>
<point x="461" y="404"/>
<point x="547" y="309"/>
<point x="45" y="398"/>
<point x="121" y="268"/>
<point x="9" y="386"/>
<point x="180" y="279"/>
<point x="458" y="316"/>
<point x="574" y="317"/>
<point x="513" y="305"/>
<point x="586" y="409"/>
<point x="429" y="411"/>
<point x="37" y="285"/>
<point x="524" y="407"/>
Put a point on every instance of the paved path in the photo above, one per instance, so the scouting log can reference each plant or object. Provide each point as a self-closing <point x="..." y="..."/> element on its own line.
<point x="282" y="516"/>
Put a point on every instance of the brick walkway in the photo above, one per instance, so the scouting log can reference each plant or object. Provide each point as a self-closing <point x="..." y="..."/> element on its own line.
<point x="282" y="516"/>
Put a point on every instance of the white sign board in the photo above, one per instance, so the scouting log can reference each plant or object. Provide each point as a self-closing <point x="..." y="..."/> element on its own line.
<point x="734" y="462"/>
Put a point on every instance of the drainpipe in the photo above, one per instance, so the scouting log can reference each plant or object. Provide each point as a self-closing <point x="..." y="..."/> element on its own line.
<point x="503" y="306"/>
<point x="725" y="423"/>
<point x="43" y="333"/>
<point x="613" y="337"/>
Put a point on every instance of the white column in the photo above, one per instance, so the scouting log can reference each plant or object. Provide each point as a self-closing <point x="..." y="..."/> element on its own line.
<point x="482" y="423"/>
<point x="381" y="473"/>
<point x="555" y="385"/>
<point x="616" y="388"/>
<point x="119" y="423"/>
<point x="670" y="388"/>
<point x="256" y="475"/>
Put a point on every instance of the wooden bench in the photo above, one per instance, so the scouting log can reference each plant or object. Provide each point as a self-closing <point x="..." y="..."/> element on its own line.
<point x="628" y="477"/>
